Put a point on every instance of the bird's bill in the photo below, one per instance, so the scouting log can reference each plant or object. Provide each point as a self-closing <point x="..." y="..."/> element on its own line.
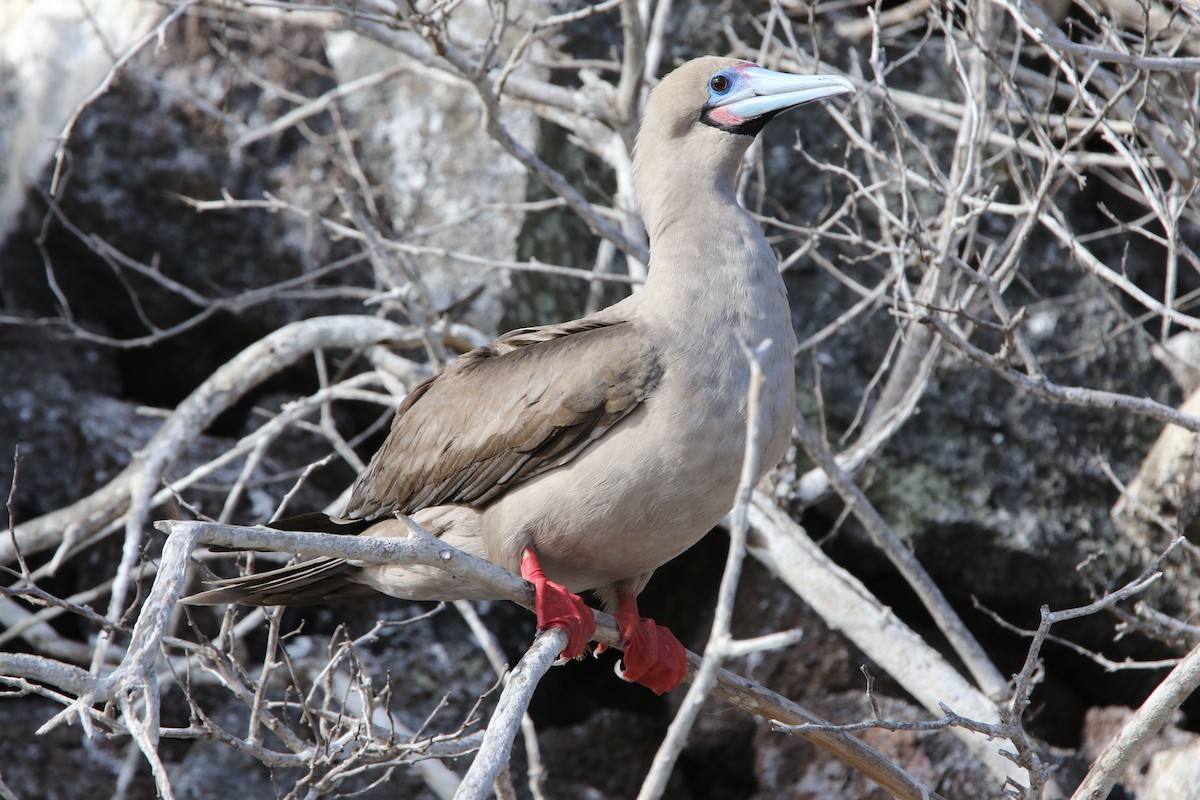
<point x="764" y="91"/>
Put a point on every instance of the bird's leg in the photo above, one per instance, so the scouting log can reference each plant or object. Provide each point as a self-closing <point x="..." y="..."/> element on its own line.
<point x="558" y="608"/>
<point x="653" y="656"/>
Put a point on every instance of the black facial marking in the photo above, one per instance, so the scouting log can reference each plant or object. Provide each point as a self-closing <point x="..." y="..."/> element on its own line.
<point x="749" y="127"/>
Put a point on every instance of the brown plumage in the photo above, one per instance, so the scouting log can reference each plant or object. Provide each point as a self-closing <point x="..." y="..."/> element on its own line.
<point x="536" y="420"/>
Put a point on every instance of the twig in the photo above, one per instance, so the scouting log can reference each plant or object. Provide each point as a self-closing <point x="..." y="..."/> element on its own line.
<point x="1141" y="727"/>
<point x="752" y="698"/>
<point x="477" y="75"/>
<point x="137" y="670"/>
<point x="424" y="549"/>
<point x="1168" y="63"/>
<point x="493" y="754"/>
<point x="1023" y="681"/>
<point x="275" y="205"/>
<point x="64" y="137"/>
<point x="10" y="505"/>
<point x="495" y="656"/>
<point x="221" y="391"/>
<point x="316" y="106"/>
<point x="863" y="27"/>
<point x="1069" y="395"/>
<point x="848" y="606"/>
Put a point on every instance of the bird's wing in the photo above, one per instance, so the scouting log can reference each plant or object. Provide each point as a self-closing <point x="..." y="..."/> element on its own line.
<point x="506" y="412"/>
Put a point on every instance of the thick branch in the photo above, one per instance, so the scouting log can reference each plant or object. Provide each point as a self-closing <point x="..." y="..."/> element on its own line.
<point x="848" y="606"/>
<point x="964" y="642"/>
<point x="1144" y="725"/>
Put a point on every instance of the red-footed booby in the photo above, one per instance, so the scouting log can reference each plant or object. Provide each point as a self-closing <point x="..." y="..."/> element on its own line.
<point x="589" y="453"/>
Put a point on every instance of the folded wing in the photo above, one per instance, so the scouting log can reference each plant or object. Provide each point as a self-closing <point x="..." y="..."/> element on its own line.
<point x="504" y="413"/>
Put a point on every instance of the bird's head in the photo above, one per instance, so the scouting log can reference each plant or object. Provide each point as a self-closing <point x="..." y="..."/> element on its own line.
<point x="733" y="96"/>
<point x="701" y="118"/>
<point x="743" y="97"/>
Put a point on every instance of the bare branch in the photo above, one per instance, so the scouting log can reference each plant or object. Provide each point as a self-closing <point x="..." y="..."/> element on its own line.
<point x="493" y="754"/>
<point x="422" y="548"/>
<point x="1070" y="395"/>
<point x="849" y="607"/>
<point x="206" y="403"/>
<point x="1144" y="725"/>
<point x="155" y="35"/>
<point x="990" y="681"/>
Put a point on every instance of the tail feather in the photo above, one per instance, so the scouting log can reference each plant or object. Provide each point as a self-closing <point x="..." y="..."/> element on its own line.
<point x="320" y="580"/>
<point x="319" y="522"/>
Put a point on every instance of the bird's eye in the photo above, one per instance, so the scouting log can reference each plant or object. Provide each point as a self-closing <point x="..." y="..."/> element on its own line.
<point x="719" y="84"/>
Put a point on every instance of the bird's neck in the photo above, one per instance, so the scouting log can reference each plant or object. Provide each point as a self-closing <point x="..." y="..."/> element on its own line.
<point x="676" y="194"/>
<point x="700" y="235"/>
<point x="710" y="265"/>
<point x="711" y="270"/>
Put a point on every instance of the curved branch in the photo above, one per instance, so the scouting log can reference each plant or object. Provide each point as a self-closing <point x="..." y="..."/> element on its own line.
<point x="496" y="749"/>
<point x="220" y="392"/>
<point x="1067" y="395"/>
<point x="960" y="637"/>
<point x="848" y="606"/>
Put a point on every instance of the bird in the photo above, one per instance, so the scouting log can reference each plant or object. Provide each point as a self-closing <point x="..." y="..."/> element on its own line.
<point x="586" y="454"/>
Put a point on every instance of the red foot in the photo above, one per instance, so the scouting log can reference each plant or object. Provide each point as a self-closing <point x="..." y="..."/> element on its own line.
<point x="558" y="608"/>
<point x="653" y="656"/>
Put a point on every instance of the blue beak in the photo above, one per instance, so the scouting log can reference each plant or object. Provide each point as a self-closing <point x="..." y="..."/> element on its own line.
<point x="743" y="98"/>
<point x="763" y="91"/>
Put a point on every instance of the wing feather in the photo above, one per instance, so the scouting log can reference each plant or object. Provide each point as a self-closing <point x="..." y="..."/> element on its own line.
<point x="504" y="413"/>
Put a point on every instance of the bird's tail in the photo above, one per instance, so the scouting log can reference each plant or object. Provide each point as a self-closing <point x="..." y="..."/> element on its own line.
<point x="319" y="580"/>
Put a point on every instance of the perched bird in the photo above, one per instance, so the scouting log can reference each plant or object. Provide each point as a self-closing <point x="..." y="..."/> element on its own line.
<point x="587" y="454"/>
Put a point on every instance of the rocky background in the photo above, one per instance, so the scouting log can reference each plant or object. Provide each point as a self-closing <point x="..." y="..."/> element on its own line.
<point x="242" y="168"/>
